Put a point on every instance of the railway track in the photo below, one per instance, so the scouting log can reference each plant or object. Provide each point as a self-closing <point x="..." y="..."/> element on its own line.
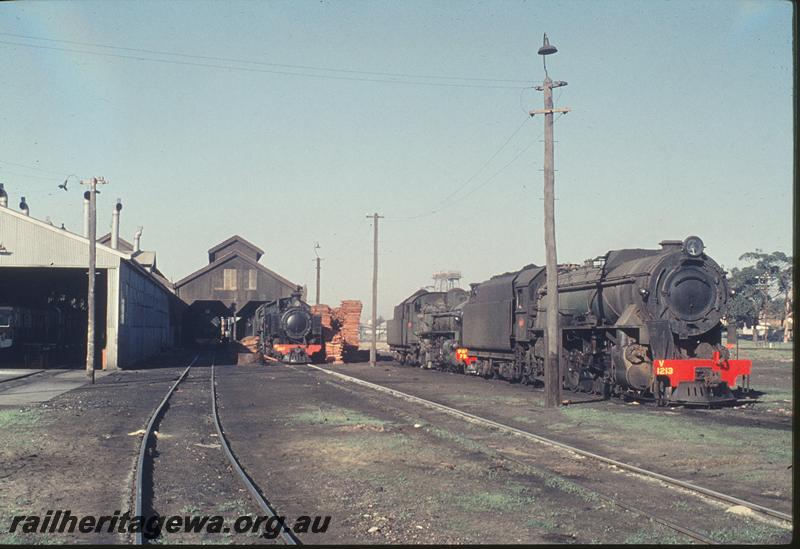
<point x="144" y="488"/>
<point x="570" y="449"/>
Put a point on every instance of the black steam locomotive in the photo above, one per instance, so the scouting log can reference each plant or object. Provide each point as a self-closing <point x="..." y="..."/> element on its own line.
<point x="643" y="323"/>
<point x="288" y="331"/>
<point x="50" y="333"/>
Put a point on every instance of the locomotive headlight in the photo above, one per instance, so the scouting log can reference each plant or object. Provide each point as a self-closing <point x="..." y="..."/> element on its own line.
<point x="693" y="246"/>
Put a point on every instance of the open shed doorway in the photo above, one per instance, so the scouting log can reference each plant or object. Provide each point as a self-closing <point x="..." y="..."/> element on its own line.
<point x="43" y="317"/>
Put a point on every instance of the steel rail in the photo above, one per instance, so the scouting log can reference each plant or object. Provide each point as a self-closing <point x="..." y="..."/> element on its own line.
<point x="286" y="533"/>
<point x="563" y="446"/>
<point x="138" y="507"/>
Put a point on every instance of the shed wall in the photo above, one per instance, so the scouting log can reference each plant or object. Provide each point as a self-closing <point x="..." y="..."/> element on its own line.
<point x="144" y="317"/>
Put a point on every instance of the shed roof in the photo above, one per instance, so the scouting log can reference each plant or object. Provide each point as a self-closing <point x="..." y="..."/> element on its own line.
<point x="227" y="257"/>
<point x="235" y="238"/>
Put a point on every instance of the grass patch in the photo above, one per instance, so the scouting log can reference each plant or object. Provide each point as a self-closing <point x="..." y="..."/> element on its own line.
<point x="749" y="531"/>
<point x="657" y="534"/>
<point x="780" y="352"/>
<point x="18" y="418"/>
<point x="461" y="440"/>
<point x="770" y="443"/>
<point x="542" y="523"/>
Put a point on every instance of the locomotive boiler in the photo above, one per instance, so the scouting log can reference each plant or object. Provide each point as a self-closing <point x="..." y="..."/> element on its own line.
<point x="644" y="323"/>
<point x="288" y="331"/>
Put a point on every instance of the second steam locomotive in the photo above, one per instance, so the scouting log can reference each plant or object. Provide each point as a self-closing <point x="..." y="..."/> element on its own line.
<point x="643" y="323"/>
<point x="288" y="330"/>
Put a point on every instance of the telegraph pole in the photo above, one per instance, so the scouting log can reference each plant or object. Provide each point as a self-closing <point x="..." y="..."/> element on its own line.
<point x="552" y="373"/>
<point x="373" y="351"/>
<point x="90" y="301"/>
<point x="316" y="247"/>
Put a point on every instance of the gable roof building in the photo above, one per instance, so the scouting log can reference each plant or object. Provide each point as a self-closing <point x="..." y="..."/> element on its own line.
<point x="43" y="267"/>
<point x="233" y="278"/>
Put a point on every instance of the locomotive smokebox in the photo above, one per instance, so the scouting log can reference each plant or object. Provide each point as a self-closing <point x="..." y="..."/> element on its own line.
<point x="690" y="292"/>
<point x="297" y="323"/>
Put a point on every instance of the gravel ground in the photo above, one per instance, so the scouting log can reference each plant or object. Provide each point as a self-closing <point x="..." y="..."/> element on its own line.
<point x="77" y="452"/>
<point x="388" y="471"/>
<point x="746" y="452"/>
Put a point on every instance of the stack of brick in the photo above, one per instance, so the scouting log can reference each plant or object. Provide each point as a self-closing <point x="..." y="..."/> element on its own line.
<point x="250" y="343"/>
<point x="349" y="315"/>
<point x="340" y="329"/>
<point x="323" y="311"/>
<point x="248" y="351"/>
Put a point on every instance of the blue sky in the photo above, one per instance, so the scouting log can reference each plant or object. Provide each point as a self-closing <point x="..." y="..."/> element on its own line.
<point x="681" y="124"/>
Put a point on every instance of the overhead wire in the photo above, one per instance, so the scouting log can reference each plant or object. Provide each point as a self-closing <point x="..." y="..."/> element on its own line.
<point x="263" y="63"/>
<point x="32" y="167"/>
<point x="481" y="185"/>
<point x="262" y="70"/>
<point x="470" y="178"/>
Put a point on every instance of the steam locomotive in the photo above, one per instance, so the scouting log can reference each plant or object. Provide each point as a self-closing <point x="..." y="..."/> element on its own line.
<point x="635" y="322"/>
<point x="52" y="332"/>
<point x="288" y="331"/>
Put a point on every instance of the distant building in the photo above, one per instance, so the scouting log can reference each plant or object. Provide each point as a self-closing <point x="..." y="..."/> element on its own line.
<point x="233" y="282"/>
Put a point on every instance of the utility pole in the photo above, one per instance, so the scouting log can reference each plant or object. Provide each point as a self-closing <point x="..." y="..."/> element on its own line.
<point x="92" y="236"/>
<point x="552" y="372"/>
<point x="317" y="247"/>
<point x="373" y="351"/>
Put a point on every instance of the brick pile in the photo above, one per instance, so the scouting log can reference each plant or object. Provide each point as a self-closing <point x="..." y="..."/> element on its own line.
<point x="250" y="343"/>
<point x="340" y="330"/>
<point x="247" y="350"/>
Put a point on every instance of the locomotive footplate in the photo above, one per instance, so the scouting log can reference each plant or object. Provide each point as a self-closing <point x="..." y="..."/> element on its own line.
<point x="701" y="380"/>
<point x="295" y="353"/>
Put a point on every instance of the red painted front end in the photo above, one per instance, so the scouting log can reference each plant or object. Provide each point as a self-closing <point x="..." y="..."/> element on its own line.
<point x="284" y="348"/>
<point x="679" y="371"/>
<point x="462" y="355"/>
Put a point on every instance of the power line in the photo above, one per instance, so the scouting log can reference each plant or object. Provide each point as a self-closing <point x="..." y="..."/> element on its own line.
<point x="4" y="171"/>
<point x="32" y="167"/>
<point x="503" y="146"/>
<point x="261" y="70"/>
<point x="469" y="180"/>
<point x="264" y="63"/>
<point x="482" y="184"/>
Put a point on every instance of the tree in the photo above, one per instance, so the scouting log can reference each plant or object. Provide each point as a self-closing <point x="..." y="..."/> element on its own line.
<point x="761" y="289"/>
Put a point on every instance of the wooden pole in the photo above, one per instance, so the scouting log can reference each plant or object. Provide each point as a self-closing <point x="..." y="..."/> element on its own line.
<point x="90" y="297"/>
<point x="552" y="372"/>
<point x="373" y="351"/>
<point x="318" y="267"/>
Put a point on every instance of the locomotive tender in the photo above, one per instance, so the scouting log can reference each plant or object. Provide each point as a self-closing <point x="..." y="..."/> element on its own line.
<point x="643" y="323"/>
<point x="288" y="331"/>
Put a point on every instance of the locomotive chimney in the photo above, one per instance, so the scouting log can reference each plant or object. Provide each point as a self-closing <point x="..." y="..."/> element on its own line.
<point x="3" y="197"/>
<point x="23" y="207"/>
<point x="137" y="239"/>
<point x="86" y="214"/>
<point x="668" y="244"/>
<point x="115" y="225"/>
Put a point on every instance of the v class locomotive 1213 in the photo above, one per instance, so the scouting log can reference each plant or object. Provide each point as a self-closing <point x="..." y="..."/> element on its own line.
<point x="288" y="330"/>
<point x="642" y="323"/>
